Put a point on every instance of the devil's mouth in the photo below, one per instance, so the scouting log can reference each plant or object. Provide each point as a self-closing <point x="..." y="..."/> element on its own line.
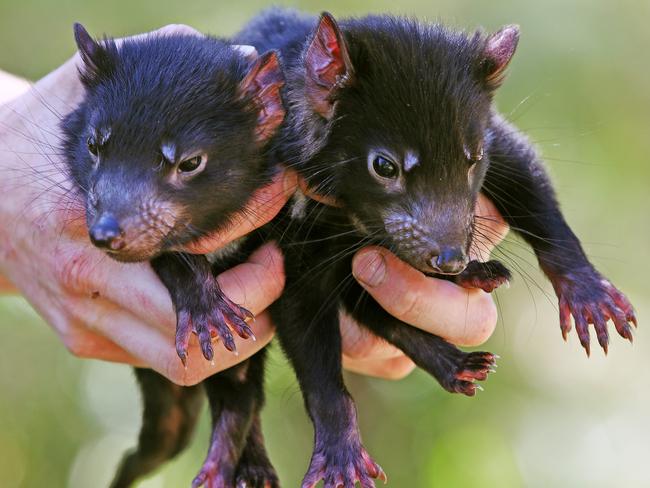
<point x="132" y="256"/>
<point x="435" y="274"/>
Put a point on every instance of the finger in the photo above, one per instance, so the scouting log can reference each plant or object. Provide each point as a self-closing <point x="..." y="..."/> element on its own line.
<point x="260" y="209"/>
<point x="7" y="286"/>
<point x="89" y="345"/>
<point x="258" y="282"/>
<point x="489" y="230"/>
<point x="178" y="29"/>
<point x="157" y="350"/>
<point x="167" y="30"/>
<point x="360" y="344"/>
<point x="63" y="89"/>
<point x="310" y="193"/>
<point x="135" y="287"/>
<point x="389" y="369"/>
<point x="461" y="316"/>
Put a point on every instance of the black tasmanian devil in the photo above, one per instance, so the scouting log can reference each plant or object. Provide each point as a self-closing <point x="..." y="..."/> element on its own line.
<point x="393" y="120"/>
<point x="168" y="143"/>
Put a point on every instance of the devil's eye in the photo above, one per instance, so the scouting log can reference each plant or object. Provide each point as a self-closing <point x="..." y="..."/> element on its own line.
<point x="93" y="147"/>
<point x="192" y="165"/>
<point x="385" y="167"/>
<point x="475" y="155"/>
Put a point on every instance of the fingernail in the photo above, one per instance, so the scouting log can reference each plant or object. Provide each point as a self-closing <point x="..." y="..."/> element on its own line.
<point x="369" y="267"/>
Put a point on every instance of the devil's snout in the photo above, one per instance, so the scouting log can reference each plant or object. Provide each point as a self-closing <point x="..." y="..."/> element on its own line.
<point x="106" y="233"/>
<point x="449" y="260"/>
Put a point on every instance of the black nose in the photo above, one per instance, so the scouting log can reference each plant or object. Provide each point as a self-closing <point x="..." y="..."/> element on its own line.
<point x="450" y="260"/>
<point x="106" y="233"/>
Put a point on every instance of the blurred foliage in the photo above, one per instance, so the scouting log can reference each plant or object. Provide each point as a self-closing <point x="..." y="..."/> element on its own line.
<point x="550" y="417"/>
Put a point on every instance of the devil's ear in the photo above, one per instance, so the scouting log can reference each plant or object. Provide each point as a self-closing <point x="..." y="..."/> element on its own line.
<point x="263" y="84"/>
<point x="96" y="58"/>
<point x="328" y="66"/>
<point x="498" y="51"/>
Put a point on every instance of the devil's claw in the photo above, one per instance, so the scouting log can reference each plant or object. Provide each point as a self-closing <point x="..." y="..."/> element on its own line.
<point x="592" y="300"/>
<point x="486" y="276"/>
<point x="343" y="467"/>
<point x="210" y="314"/>
<point x="474" y="366"/>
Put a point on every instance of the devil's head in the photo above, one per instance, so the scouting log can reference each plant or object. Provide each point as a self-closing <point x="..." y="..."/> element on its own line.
<point x="169" y="140"/>
<point x="403" y="109"/>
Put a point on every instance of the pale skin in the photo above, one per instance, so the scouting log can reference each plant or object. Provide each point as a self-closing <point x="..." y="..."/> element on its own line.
<point x="118" y="312"/>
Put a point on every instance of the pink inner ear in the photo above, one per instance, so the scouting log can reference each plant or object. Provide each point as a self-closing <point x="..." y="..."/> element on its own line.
<point x="499" y="49"/>
<point x="271" y="112"/>
<point x="327" y="64"/>
<point x="263" y="84"/>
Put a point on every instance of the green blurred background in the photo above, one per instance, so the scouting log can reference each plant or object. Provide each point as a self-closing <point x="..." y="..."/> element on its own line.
<point x="579" y="85"/>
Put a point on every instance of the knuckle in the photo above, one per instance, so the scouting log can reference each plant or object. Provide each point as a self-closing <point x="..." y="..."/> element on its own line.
<point x="409" y="307"/>
<point x="177" y="29"/>
<point x="175" y="372"/>
<point x="73" y="270"/>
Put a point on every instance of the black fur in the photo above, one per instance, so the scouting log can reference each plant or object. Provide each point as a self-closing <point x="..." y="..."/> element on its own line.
<point x="408" y="88"/>
<point x="150" y="103"/>
<point x="168" y="421"/>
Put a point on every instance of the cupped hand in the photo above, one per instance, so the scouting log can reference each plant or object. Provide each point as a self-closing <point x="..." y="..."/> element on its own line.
<point x="101" y="308"/>
<point x="106" y="310"/>
<point x="461" y="316"/>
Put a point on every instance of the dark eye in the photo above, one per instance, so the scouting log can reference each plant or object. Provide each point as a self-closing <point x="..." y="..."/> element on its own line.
<point x="93" y="147"/>
<point x="474" y="156"/>
<point x="191" y="165"/>
<point x="384" y="167"/>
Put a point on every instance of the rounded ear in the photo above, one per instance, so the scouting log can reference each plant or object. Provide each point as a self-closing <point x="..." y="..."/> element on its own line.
<point x="498" y="51"/>
<point x="263" y="84"/>
<point x="96" y="58"/>
<point x="327" y="66"/>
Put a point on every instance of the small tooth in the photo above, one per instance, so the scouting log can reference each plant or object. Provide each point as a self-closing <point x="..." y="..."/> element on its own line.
<point x="479" y="387"/>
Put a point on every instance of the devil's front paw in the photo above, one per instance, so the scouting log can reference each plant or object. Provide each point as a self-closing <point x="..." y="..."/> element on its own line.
<point x="464" y="369"/>
<point x="342" y="466"/>
<point x="209" y="314"/>
<point x="487" y="276"/>
<point x="591" y="299"/>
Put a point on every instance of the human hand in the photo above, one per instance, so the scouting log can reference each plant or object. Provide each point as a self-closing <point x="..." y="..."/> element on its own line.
<point x="461" y="316"/>
<point x="101" y="308"/>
